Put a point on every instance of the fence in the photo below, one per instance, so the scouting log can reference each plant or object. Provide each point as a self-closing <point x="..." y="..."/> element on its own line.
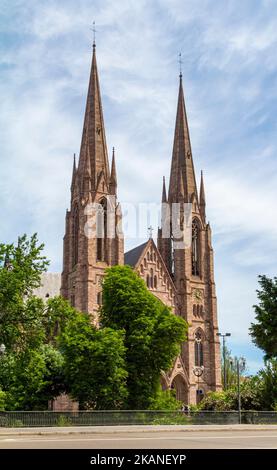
<point x="125" y="417"/>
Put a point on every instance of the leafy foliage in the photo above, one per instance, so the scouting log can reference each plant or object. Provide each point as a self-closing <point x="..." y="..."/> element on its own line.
<point x="2" y="400"/>
<point x="257" y="393"/>
<point x="264" y="331"/>
<point x="152" y="334"/>
<point x="165" y="400"/>
<point x="94" y="364"/>
<point x="21" y="267"/>
<point x="51" y="348"/>
<point x="31" y="370"/>
<point x="268" y="377"/>
<point x="31" y="378"/>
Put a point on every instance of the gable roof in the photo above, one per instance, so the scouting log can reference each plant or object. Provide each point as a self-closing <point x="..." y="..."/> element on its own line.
<point x="131" y="257"/>
<point x="134" y="257"/>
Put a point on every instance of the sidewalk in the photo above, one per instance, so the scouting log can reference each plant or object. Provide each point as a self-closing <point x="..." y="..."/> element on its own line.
<point x="133" y="429"/>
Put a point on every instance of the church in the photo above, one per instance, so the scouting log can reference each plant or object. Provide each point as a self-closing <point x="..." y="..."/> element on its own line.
<point x="182" y="278"/>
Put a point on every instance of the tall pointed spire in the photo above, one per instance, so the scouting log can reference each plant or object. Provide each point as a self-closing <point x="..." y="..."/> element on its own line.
<point x="164" y="198"/>
<point x="113" y="180"/>
<point x="182" y="155"/>
<point x="202" y="197"/>
<point x="93" y="138"/>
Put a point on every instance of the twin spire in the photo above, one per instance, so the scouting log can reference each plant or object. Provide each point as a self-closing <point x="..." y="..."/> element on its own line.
<point x="182" y="176"/>
<point x="182" y="183"/>
<point x="93" y="161"/>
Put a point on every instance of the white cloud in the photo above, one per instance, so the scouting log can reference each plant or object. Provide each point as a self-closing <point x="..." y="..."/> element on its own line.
<point x="229" y="62"/>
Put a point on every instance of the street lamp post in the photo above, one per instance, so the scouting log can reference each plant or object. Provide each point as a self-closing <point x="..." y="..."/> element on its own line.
<point x="224" y="335"/>
<point x="198" y="372"/>
<point x="238" y="383"/>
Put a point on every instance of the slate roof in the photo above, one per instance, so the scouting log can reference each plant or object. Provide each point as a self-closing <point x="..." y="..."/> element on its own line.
<point x="131" y="257"/>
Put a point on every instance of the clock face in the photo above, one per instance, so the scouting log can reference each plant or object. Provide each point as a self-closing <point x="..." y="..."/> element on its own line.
<point x="198" y="294"/>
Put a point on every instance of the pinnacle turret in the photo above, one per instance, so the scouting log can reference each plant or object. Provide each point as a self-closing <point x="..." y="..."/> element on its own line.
<point x="164" y="197"/>
<point x="202" y="197"/>
<point x="113" y="179"/>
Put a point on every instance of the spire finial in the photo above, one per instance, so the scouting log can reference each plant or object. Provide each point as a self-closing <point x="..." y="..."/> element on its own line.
<point x="94" y="31"/>
<point x="180" y="64"/>
<point x="150" y="231"/>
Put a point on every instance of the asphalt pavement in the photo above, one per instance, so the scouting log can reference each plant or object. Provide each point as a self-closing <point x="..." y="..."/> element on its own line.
<point x="207" y="437"/>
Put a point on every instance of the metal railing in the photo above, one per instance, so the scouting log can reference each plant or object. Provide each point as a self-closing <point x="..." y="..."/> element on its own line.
<point x="126" y="417"/>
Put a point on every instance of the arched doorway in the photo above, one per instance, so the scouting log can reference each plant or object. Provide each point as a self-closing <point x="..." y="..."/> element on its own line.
<point x="180" y="386"/>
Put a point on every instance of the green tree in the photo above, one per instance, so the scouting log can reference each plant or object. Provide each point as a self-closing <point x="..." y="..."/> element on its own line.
<point x="258" y="393"/>
<point x="268" y="378"/>
<point x="264" y="330"/>
<point x="21" y="267"/>
<point x="31" y="370"/>
<point x="153" y="335"/>
<point x="165" y="400"/>
<point x="2" y="400"/>
<point x="251" y="397"/>
<point x="31" y="378"/>
<point x="94" y="364"/>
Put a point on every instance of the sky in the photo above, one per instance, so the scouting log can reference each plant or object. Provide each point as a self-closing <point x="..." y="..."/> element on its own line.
<point x="230" y="82"/>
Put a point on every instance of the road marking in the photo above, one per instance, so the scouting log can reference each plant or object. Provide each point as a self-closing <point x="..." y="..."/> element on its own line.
<point x="72" y="439"/>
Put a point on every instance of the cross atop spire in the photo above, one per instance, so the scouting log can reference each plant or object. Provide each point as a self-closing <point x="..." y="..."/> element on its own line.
<point x="180" y="65"/>
<point x="94" y="31"/>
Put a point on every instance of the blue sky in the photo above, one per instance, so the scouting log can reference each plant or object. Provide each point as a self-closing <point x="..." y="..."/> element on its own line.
<point x="230" y="81"/>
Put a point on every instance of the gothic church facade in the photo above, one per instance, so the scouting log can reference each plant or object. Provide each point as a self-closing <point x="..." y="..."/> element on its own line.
<point x="183" y="278"/>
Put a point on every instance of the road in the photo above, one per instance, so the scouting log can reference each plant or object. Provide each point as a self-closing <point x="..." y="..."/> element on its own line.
<point x="146" y="440"/>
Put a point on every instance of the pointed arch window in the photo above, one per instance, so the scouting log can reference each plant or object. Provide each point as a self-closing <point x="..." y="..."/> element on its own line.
<point x="75" y="245"/>
<point x="101" y="224"/>
<point x="195" y="248"/>
<point x="151" y="278"/>
<point x="198" y="349"/>
<point x="99" y="298"/>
